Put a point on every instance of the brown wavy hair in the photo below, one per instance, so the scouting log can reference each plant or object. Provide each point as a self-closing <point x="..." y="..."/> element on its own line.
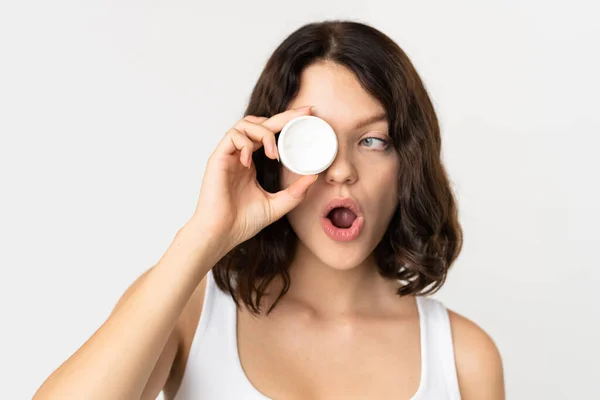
<point x="424" y="236"/>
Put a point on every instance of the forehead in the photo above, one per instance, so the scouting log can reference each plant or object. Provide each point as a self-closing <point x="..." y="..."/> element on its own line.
<point x="336" y="94"/>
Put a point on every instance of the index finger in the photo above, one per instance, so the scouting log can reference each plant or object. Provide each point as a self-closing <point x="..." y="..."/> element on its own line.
<point x="278" y="121"/>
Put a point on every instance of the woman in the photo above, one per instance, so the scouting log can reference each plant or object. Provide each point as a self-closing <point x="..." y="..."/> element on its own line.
<point x="254" y="300"/>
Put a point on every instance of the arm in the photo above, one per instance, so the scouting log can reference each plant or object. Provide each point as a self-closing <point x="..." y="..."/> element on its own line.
<point x="478" y="361"/>
<point x="120" y="357"/>
<point x="162" y="368"/>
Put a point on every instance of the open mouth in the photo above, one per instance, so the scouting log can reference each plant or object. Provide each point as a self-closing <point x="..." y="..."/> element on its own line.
<point x="341" y="217"/>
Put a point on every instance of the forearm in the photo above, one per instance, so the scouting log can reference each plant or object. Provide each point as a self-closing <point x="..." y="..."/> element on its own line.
<point x="118" y="359"/>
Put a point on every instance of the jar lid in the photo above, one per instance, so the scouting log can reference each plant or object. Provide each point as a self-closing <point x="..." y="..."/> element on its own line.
<point x="307" y="145"/>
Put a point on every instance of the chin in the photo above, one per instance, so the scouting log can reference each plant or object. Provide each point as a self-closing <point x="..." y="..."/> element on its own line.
<point x="340" y="262"/>
<point x="344" y="263"/>
<point x="341" y="256"/>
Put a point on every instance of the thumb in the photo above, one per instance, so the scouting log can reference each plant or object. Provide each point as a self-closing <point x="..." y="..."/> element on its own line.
<point x="286" y="200"/>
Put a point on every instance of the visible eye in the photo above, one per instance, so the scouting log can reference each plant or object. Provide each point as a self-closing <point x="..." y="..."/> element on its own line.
<point x="371" y="140"/>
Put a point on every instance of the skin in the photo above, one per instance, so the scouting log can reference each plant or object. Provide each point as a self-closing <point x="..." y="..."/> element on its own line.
<point x="341" y="331"/>
<point x="306" y="348"/>
<point x="308" y="344"/>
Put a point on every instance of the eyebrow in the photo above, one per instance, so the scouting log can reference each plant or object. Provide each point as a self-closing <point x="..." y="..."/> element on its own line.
<point x="371" y="120"/>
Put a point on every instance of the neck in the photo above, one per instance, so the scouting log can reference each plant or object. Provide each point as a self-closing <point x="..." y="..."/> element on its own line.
<point x="333" y="292"/>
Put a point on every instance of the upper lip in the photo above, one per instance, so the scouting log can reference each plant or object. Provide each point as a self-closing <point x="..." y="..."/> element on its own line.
<point x="347" y="202"/>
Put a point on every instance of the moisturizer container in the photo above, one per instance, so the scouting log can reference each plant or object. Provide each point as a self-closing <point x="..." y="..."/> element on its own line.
<point x="307" y="145"/>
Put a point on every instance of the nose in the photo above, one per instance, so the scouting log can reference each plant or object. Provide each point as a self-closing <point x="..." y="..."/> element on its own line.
<point x="342" y="170"/>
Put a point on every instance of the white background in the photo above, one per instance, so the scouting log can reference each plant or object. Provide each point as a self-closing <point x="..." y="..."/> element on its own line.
<point x="109" y="110"/>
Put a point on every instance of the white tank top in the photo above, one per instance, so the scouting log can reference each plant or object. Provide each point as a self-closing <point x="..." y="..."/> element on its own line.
<point x="214" y="372"/>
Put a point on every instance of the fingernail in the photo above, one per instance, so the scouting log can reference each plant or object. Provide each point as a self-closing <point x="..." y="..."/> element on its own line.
<point x="305" y="108"/>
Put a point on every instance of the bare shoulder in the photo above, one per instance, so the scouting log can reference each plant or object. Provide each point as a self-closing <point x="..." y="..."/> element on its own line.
<point x="478" y="361"/>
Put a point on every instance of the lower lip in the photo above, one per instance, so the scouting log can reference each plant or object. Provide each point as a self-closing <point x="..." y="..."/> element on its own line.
<point x="342" y="234"/>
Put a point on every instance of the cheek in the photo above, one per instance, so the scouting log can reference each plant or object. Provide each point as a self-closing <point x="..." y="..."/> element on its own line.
<point x="387" y="188"/>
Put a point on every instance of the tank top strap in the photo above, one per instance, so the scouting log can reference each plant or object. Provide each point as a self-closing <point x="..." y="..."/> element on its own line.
<point x="218" y="314"/>
<point x="212" y="368"/>
<point x="439" y="372"/>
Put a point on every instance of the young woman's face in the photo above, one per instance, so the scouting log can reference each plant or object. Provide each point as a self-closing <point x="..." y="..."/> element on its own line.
<point x="365" y="168"/>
